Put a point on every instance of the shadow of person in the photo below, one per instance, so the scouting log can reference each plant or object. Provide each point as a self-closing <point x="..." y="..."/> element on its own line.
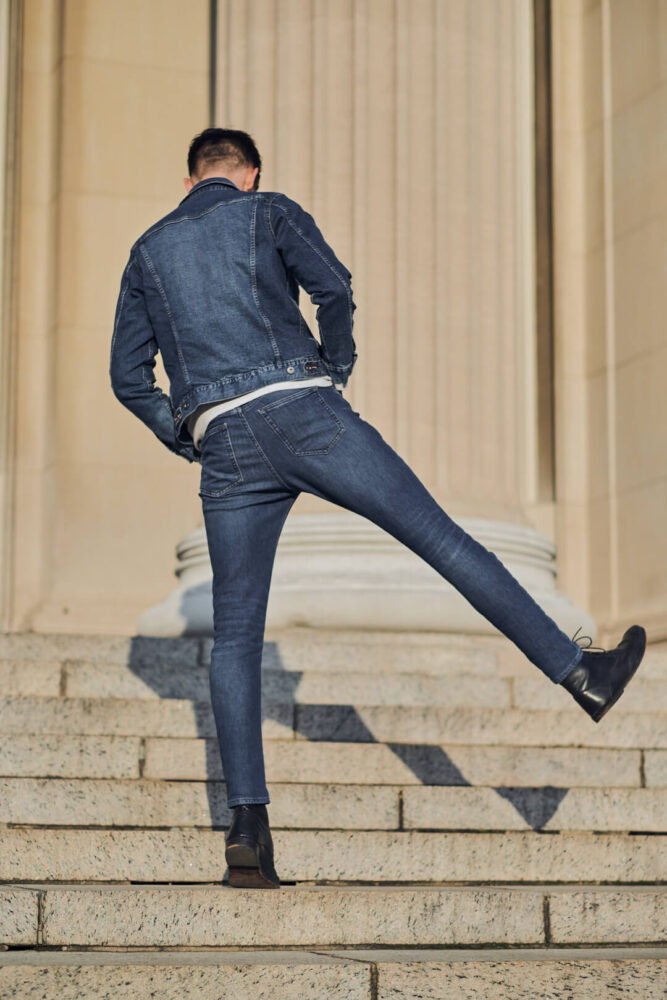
<point x="178" y="668"/>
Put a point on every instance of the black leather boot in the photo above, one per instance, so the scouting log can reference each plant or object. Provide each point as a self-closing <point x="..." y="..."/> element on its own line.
<point x="249" y="848"/>
<point x="599" y="679"/>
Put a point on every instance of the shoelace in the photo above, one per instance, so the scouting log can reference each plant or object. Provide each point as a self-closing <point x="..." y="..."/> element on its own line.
<point x="599" y="649"/>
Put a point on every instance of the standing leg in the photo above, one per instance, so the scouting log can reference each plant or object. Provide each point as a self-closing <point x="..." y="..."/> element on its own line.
<point x="242" y="541"/>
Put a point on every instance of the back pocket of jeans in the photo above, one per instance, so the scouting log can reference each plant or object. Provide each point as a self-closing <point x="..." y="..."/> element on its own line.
<point x="219" y="469"/>
<point x="304" y="422"/>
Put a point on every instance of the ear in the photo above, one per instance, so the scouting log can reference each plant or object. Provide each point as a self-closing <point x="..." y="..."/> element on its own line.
<point x="189" y="184"/>
<point x="249" y="181"/>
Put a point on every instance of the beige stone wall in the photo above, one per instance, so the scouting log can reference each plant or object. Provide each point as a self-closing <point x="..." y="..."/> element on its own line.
<point x="10" y="34"/>
<point x="113" y="90"/>
<point x="610" y="143"/>
<point x="340" y="95"/>
<point x="406" y="129"/>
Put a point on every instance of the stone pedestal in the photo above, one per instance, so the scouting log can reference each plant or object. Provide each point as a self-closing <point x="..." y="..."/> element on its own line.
<point x="342" y="571"/>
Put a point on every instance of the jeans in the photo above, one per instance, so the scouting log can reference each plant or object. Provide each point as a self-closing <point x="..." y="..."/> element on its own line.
<point x="256" y="459"/>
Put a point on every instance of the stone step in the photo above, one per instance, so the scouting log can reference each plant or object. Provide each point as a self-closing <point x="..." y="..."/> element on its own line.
<point x="512" y="727"/>
<point x="60" y="756"/>
<point x="346" y="974"/>
<point x="283" y="975"/>
<point x="31" y="677"/>
<point x="511" y="662"/>
<point x="292" y="648"/>
<point x="120" y="916"/>
<point x="339" y="723"/>
<point x="145" y="803"/>
<point x="655" y="767"/>
<point x="638" y="809"/>
<point x="31" y="646"/>
<point x="126" y="717"/>
<point x="302" y="648"/>
<point x="57" y="756"/>
<point x="641" y="695"/>
<point x="437" y="764"/>
<point x="74" y="855"/>
<point x="81" y="679"/>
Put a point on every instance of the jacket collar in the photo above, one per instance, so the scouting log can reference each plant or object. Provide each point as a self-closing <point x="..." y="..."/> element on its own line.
<point x="207" y="182"/>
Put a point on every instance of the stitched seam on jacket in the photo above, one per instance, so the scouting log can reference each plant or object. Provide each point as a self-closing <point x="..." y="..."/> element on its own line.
<point x="312" y="246"/>
<point x="186" y="218"/>
<point x="172" y="325"/>
<point x="253" y="282"/>
<point x="125" y="284"/>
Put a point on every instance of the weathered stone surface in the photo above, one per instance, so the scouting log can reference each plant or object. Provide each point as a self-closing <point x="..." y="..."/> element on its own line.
<point x="187" y="916"/>
<point x="402" y="724"/>
<point x="85" y="679"/>
<point x="641" y="695"/>
<point x="517" y="727"/>
<point x="402" y="974"/>
<point x="69" y="756"/>
<point x="91" y="802"/>
<point x="30" y="677"/>
<point x="447" y="769"/>
<point x="125" y="717"/>
<point x="639" y="809"/>
<point x="654" y="664"/>
<point x="18" y="915"/>
<point x="378" y="763"/>
<point x="182" y="803"/>
<point x="101" y="680"/>
<point x="609" y="915"/>
<point x="655" y="767"/>
<point x="372" y="651"/>
<point x="512" y="663"/>
<point x="334" y="855"/>
<point x="462" y="956"/>
<point x="524" y="980"/>
<point x="107" y="648"/>
<point x="199" y="976"/>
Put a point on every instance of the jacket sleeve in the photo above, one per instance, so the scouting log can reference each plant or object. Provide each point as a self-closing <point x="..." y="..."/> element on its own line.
<point x="132" y="363"/>
<point x="315" y="266"/>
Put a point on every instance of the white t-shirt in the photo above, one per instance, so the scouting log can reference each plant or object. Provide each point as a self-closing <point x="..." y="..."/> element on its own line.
<point x="203" y="415"/>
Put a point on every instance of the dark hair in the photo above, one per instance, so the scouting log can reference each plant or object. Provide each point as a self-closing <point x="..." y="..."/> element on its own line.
<point x="232" y="145"/>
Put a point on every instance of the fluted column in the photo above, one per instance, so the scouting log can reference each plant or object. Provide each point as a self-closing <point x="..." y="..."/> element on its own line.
<point x="405" y="128"/>
<point x="396" y="125"/>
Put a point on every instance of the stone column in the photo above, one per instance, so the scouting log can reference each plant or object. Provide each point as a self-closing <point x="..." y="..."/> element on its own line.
<point x="406" y="129"/>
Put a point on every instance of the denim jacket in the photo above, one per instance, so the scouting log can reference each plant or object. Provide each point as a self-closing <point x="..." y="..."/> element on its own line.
<point x="214" y="286"/>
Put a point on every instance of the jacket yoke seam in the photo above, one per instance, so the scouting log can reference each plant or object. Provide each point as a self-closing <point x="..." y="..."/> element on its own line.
<point x="187" y="218"/>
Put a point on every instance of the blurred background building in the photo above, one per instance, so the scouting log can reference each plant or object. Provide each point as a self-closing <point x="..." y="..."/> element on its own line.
<point x="493" y="172"/>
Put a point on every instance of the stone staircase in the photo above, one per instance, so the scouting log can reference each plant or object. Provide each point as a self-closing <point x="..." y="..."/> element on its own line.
<point x="447" y="824"/>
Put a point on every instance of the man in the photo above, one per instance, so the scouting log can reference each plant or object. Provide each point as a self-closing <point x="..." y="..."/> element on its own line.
<point x="257" y="399"/>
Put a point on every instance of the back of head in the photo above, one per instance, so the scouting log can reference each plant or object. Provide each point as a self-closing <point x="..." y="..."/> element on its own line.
<point x="226" y="147"/>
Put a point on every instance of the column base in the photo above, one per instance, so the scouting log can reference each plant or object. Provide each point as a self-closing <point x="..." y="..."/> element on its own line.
<point x="342" y="571"/>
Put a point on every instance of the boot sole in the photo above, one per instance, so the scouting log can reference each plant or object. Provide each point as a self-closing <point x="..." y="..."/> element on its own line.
<point x="250" y="878"/>
<point x="245" y="869"/>
<point x="612" y="701"/>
